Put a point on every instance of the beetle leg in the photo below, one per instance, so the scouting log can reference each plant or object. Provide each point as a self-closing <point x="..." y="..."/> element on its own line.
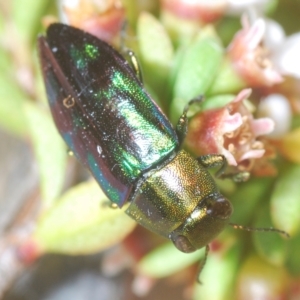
<point x="237" y="177"/>
<point x="214" y="160"/>
<point x="133" y="61"/>
<point x="182" y="124"/>
<point x="202" y="264"/>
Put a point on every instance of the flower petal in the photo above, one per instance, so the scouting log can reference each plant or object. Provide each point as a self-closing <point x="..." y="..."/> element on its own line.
<point x="262" y="126"/>
<point x="274" y="36"/>
<point x="229" y="157"/>
<point x="255" y="153"/>
<point x="237" y="7"/>
<point x="231" y="122"/>
<point x="278" y="108"/>
<point x="249" y="56"/>
<point x="287" y="56"/>
<point x="242" y="95"/>
<point x="255" y="33"/>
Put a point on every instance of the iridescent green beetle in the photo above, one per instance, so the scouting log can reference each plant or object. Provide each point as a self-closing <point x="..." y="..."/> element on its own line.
<point x="117" y="131"/>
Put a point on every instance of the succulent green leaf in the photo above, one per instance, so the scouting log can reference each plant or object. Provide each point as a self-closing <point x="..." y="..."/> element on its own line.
<point x="285" y="201"/>
<point x="247" y="198"/>
<point x="167" y="260"/>
<point x="12" y="116"/>
<point x="82" y="221"/>
<point x="27" y="23"/>
<point x="154" y="43"/>
<point x="156" y="51"/>
<point x="217" y="101"/>
<point x="218" y="275"/>
<point x="227" y="80"/>
<point x="196" y="72"/>
<point x="293" y="257"/>
<point x="270" y="245"/>
<point x="50" y="151"/>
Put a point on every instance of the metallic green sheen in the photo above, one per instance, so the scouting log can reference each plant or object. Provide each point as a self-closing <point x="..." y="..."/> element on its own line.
<point x="132" y="124"/>
<point x="140" y="133"/>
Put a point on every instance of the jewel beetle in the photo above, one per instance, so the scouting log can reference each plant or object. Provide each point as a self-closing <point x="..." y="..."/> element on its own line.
<point x="117" y="131"/>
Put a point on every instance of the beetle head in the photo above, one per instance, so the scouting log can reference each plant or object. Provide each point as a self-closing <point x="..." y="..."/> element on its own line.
<point x="206" y="221"/>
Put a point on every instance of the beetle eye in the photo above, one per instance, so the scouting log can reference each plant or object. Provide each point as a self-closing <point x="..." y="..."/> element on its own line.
<point x="220" y="208"/>
<point x="183" y="244"/>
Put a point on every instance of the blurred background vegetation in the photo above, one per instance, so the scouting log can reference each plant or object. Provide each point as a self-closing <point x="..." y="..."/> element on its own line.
<point x="54" y="241"/>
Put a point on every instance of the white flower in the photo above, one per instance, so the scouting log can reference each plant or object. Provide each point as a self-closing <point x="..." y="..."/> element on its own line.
<point x="238" y="7"/>
<point x="277" y="108"/>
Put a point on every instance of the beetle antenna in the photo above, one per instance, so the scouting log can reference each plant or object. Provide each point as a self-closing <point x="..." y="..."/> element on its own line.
<point x="202" y="264"/>
<point x="247" y="228"/>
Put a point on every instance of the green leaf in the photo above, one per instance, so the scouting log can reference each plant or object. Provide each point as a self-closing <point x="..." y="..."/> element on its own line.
<point x="217" y="101"/>
<point x="290" y="145"/>
<point x="167" y="260"/>
<point x="195" y="73"/>
<point x="50" y="151"/>
<point x="218" y="274"/>
<point x="285" y="201"/>
<point x="293" y="257"/>
<point x="81" y="222"/>
<point x="270" y="245"/>
<point x="12" y="116"/>
<point x="26" y="15"/>
<point x="247" y="198"/>
<point x="227" y="80"/>
<point x="156" y="51"/>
